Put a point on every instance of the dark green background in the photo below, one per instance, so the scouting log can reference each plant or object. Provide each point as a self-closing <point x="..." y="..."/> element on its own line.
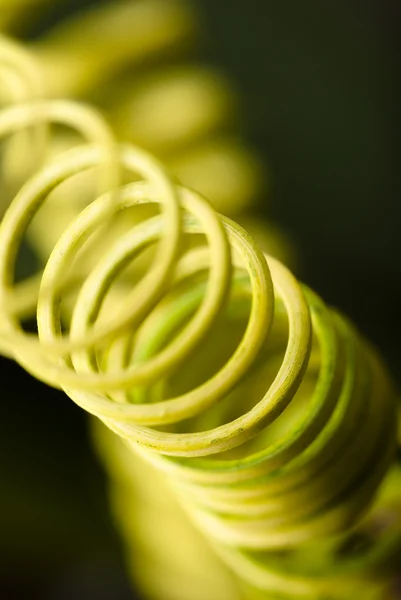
<point x="320" y="101"/>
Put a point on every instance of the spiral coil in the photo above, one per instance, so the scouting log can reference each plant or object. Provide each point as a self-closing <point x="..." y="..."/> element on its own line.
<point x="262" y="413"/>
<point x="270" y="418"/>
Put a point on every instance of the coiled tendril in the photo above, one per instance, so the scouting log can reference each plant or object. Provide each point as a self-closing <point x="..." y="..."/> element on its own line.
<point x="273" y="420"/>
<point x="251" y="493"/>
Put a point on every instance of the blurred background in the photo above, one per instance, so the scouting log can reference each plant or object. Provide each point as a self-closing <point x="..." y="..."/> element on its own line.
<point x="319" y="100"/>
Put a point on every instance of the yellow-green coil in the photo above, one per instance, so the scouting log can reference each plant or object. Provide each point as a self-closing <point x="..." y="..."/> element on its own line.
<point x="270" y="418"/>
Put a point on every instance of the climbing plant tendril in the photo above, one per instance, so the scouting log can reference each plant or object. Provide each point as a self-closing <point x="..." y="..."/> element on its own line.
<point x="266" y="414"/>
